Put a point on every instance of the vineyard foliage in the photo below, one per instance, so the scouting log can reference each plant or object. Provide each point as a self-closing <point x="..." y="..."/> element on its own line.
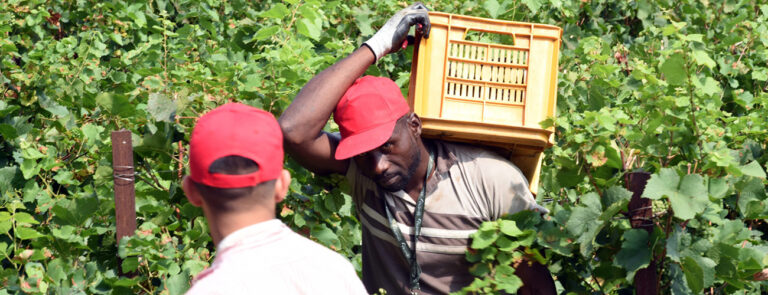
<point x="675" y="88"/>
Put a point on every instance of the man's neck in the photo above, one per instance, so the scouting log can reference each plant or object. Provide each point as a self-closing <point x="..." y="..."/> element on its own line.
<point x="222" y="225"/>
<point x="416" y="183"/>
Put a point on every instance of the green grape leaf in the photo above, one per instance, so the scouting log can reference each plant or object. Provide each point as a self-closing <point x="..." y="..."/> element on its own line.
<point x="51" y="105"/>
<point x="277" y="11"/>
<point x="661" y="184"/>
<point x="711" y="87"/>
<point x="707" y="269"/>
<point x="693" y="37"/>
<point x="635" y="253"/>
<point x="194" y="267"/>
<point x="688" y="196"/>
<point x="325" y="235"/>
<point x="363" y="19"/>
<point x="675" y="244"/>
<point x="694" y="275"/>
<point x="732" y="232"/>
<point x="718" y="188"/>
<point x="506" y="244"/>
<point x="310" y="28"/>
<point x="138" y="17"/>
<point x="760" y="74"/>
<point x="177" y="284"/>
<point x="753" y="169"/>
<point x="584" y="222"/>
<point x="56" y="270"/>
<point x="485" y="235"/>
<point x="581" y="219"/>
<point x="65" y="177"/>
<point x="533" y="5"/>
<point x="527" y="238"/>
<point x="615" y="194"/>
<point x="265" y="33"/>
<point x="508" y="227"/>
<point x="614" y="209"/>
<point x="492" y="7"/>
<point x="587" y="240"/>
<point x="480" y="269"/>
<point x="552" y="237"/>
<point x="678" y="283"/>
<point x="126" y="282"/>
<point x="728" y="257"/>
<point x="5" y="109"/>
<point x="29" y="168"/>
<point x="691" y="199"/>
<point x="507" y="280"/>
<point x="8" y="131"/>
<point x="752" y="194"/>
<point x="702" y="58"/>
<point x="116" y="104"/>
<point x="674" y="69"/>
<point x="161" y="108"/>
<point x="8" y="175"/>
<point x="24" y="218"/>
<point x="92" y="133"/>
<point x="751" y="259"/>
<point x="130" y="264"/>
<point x="26" y="233"/>
<point x="5" y="224"/>
<point x="75" y="212"/>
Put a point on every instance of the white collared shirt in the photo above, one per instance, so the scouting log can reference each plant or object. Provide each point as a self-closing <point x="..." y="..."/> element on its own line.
<point x="269" y="258"/>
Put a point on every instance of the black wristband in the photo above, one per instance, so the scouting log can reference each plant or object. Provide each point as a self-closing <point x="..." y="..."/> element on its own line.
<point x="375" y="59"/>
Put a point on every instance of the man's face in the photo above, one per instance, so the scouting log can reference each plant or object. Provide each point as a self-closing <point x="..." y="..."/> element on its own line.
<point x="393" y="164"/>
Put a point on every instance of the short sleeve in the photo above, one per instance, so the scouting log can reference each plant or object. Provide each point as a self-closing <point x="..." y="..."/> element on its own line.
<point x="506" y="187"/>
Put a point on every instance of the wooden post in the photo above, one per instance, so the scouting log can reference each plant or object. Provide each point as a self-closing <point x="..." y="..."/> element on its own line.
<point x="641" y="216"/>
<point x="125" y="195"/>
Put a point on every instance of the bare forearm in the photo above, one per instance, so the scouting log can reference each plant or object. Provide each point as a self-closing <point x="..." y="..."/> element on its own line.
<point x="310" y="110"/>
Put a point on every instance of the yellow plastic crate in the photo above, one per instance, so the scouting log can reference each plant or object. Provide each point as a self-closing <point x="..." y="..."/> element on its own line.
<point x="485" y="93"/>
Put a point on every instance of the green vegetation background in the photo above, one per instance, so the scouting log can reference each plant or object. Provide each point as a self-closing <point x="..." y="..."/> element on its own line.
<point x="677" y="88"/>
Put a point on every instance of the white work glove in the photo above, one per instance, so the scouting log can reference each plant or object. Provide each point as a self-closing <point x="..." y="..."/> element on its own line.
<point x="392" y="35"/>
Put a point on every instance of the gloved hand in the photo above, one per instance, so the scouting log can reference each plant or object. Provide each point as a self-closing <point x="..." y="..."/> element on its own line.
<point x="392" y="35"/>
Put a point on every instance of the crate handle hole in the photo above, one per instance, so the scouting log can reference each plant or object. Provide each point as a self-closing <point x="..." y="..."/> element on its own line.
<point x="488" y="37"/>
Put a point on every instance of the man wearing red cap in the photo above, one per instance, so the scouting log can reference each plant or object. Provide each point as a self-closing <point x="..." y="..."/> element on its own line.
<point x="418" y="200"/>
<point x="237" y="177"/>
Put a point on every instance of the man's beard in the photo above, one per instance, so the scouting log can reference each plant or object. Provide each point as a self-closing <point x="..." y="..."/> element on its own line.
<point x="404" y="178"/>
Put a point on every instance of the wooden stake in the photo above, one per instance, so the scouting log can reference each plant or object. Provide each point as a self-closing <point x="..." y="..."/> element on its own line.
<point x="125" y="194"/>
<point x="641" y="216"/>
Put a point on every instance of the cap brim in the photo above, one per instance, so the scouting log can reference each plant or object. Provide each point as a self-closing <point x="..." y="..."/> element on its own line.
<point x="362" y="142"/>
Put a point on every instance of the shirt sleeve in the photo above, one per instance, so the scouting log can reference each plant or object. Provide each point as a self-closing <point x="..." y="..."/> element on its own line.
<point x="505" y="187"/>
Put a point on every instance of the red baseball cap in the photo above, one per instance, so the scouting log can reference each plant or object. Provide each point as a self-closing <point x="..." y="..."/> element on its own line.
<point x="236" y="130"/>
<point x="367" y="114"/>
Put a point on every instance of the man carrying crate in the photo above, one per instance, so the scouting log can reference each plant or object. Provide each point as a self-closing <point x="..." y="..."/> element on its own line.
<point x="418" y="200"/>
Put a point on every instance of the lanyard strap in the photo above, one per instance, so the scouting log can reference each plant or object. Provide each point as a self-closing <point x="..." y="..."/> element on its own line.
<point x="410" y="254"/>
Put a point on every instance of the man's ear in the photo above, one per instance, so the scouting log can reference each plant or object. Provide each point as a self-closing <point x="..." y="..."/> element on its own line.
<point x="414" y="124"/>
<point x="190" y="190"/>
<point x="281" y="186"/>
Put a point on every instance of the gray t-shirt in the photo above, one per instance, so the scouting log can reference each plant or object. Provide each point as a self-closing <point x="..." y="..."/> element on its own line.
<point x="470" y="186"/>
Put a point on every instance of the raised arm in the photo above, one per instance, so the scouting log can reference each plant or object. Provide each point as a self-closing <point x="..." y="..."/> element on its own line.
<point x="302" y="122"/>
